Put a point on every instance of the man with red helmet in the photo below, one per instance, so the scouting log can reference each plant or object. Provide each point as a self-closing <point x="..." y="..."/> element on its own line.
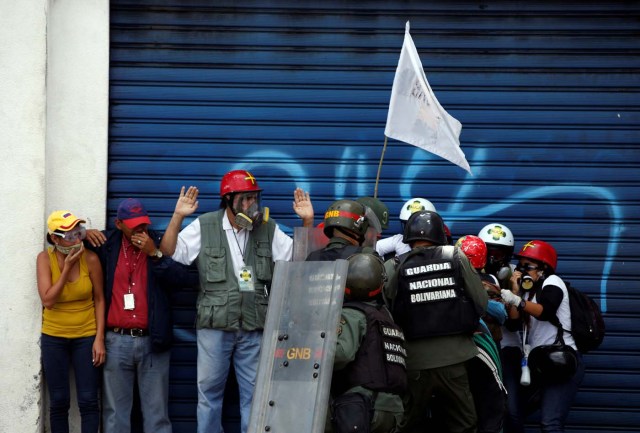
<point x="547" y="303"/>
<point x="235" y="249"/>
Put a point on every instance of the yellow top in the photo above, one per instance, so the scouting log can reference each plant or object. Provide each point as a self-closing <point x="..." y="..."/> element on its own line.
<point x="73" y="315"/>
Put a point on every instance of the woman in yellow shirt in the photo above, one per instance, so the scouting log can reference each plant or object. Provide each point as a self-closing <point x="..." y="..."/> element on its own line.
<point x="70" y="286"/>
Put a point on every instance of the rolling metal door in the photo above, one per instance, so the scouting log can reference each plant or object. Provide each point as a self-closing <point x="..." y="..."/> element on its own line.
<point x="547" y="93"/>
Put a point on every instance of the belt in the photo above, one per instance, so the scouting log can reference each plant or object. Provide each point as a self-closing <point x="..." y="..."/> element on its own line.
<point x="134" y="332"/>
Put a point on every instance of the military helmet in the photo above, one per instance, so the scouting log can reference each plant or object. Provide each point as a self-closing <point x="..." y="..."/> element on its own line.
<point x="346" y="214"/>
<point x="379" y="209"/>
<point x="365" y="277"/>
<point x="425" y="225"/>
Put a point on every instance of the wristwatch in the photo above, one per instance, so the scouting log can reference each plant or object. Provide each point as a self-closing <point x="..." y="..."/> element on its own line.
<point x="521" y="304"/>
<point x="157" y="254"/>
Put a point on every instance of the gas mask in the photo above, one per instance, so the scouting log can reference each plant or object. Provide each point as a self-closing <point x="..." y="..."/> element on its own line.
<point x="504" y="273"/>
<point x="497" y="261"/>
<point x="526" y="282"/>
<point x="253" y="215"/>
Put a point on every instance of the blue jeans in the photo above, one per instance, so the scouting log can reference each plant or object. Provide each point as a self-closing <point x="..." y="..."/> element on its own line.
<point x="127" y="358"/>
<point x="57" y="355"/>
<point x="216" y="348"/>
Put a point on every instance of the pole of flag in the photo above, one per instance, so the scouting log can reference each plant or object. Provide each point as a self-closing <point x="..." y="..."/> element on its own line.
<point x="384" y="148"/>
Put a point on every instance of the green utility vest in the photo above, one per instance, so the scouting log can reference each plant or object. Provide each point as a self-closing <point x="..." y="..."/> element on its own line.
<point x="220" y="304"/>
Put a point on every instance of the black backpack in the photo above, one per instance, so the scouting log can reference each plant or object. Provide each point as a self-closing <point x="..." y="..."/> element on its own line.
<point x="587" y="323"/>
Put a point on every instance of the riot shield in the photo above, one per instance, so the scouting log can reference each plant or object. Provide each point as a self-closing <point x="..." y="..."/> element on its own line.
<point x="298" y="347"/>
<point x="309" y="239"/>
<point x="306" y="240"/>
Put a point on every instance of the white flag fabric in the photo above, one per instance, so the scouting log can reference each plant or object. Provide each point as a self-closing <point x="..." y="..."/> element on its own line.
<point x="415" y="115"/>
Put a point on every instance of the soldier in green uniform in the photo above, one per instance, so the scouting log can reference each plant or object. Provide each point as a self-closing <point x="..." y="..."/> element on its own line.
<point x="369" y="369"/>
<point x="437" y="298"/>
<point x="345" y="224"/>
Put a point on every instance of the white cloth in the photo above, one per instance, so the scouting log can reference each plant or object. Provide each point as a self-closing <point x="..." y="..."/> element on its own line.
<point x="415" y="115"/>
<point x="541" y="332"/>
<point x="189" y="244"/>
<point x="392" y="244"/>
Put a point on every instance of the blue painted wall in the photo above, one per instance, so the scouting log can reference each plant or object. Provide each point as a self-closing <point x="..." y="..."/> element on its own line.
<point x="547" y="93"/>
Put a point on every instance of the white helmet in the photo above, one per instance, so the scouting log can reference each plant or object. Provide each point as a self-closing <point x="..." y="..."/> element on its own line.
<point x="414" y="205"/>
<point x="496" y="234"/>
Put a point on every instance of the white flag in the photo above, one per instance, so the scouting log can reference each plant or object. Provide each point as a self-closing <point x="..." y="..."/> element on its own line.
<point x="415" y="115"/>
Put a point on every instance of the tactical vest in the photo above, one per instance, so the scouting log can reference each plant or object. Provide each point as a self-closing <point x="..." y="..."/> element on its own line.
<point x="431" y="300"/>
<point x="220" y="303"/>
<point x="380" y="363"/>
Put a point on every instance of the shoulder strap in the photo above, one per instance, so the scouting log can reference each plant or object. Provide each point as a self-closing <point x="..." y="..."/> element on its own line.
<point x="555" y="321"/>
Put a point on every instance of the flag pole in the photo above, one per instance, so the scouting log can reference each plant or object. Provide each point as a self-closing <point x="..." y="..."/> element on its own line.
<point x="375" y="189"/>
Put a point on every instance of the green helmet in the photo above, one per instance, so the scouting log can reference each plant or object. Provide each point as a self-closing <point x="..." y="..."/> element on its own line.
<point x="379" y="209"/>
<point x="347" y="215"/>
<point x="365" y="277"/>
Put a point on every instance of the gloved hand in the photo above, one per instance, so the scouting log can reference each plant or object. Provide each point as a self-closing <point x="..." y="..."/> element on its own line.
<point x="509" y="298"/>
<point x="496" y="310"/>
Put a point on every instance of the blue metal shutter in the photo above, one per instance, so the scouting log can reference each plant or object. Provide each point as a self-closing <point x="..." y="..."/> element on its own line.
<point x="547" y="93"/>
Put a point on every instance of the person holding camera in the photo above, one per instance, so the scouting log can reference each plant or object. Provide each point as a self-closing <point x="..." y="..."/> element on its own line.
<point x="555" y="363"/>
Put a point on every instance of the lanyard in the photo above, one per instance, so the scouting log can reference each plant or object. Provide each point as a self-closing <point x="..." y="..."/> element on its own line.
<point x="131" y="265"/>
<point x="246" y="239"/>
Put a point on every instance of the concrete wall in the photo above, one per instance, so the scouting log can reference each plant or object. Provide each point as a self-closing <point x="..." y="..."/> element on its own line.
<point x="53" y="123"/>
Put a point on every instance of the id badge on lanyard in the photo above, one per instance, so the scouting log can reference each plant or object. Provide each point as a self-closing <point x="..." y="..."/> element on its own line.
<point x="245" y="279"/>
<point x="129" y="301"/>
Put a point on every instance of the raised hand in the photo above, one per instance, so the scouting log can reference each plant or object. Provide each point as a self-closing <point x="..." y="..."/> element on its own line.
<point x="302" y="206"/>
<point x="187" y="202"/>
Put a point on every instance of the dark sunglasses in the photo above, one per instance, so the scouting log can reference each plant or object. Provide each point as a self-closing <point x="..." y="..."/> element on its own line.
<point x="526" y="268"/>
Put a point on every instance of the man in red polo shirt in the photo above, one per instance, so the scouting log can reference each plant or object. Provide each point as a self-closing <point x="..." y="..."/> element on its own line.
<point x="139" y="327"/>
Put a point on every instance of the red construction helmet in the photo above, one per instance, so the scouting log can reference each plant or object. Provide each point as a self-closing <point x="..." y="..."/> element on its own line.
<point x="238" y="181"/>
<point x="540" y="251"/>
<point x="475" y="249"/>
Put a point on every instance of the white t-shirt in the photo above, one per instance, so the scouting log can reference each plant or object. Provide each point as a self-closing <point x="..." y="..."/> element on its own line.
<point x="541" y="332"/>
<point x="392" y="244"/>
<point x="189" y="244"/>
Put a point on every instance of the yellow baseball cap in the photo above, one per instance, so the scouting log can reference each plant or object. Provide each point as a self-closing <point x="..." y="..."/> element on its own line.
<point x="62" y="220"/>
